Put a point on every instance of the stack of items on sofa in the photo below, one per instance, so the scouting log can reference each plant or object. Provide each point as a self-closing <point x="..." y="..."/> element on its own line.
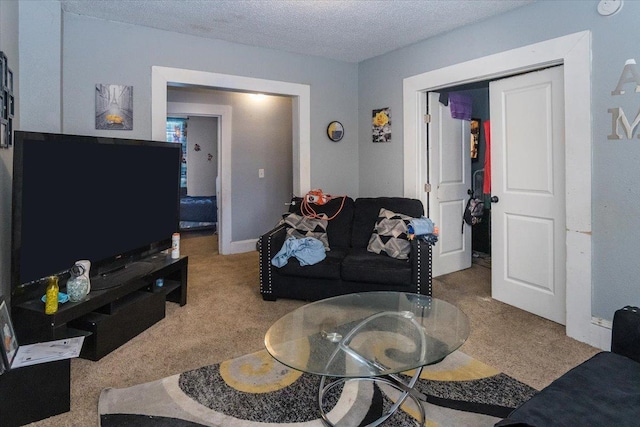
<point x="423" y="228"/>
<point x="348" y="246"/>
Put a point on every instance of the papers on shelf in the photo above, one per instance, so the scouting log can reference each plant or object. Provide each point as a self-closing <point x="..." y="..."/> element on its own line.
<point x="49" y="351"/>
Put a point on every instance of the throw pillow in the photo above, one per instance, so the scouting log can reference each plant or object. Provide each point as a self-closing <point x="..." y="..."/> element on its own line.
<point x="390" y="235"/>
<point x="299" y="226"/>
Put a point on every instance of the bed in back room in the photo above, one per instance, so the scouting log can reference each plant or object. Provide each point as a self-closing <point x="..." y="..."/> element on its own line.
<point x="198" y="213"/>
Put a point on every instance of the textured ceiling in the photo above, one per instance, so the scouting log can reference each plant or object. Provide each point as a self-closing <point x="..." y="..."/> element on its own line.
<point x="345" y="30"/>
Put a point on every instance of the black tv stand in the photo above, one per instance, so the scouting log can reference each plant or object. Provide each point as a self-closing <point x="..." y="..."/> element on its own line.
<point x="128" y="298"/>
<point x="120" y="275"/>
<point x="108" y="318"/>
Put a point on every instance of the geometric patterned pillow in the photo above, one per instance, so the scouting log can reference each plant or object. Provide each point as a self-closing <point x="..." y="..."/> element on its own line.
<point x="390" y="235"/>
<point x="300" y="227"/>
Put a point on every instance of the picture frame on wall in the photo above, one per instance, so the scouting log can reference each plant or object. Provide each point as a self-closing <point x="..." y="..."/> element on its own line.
<point x="11" y="106"/>
<point x="8" y="132"/>
<point x="335" y="131"/>
<point x="3" y="135"/>
<point x="114" y="107"/>
<point x="474" y="140"/>
<point x="9" y="346"/>
<point x="381" y="126"/>
<point x="4" y="142"/>
<point x="9" y="80"/>
<point x="7" y="103"/>
<point x="3" y="67"/>
<point x="6" y="106"/>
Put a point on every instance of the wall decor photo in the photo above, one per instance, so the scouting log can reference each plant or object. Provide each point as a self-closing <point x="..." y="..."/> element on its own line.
<point x="335" y="131"/>
<point x="9" y="345"/>
<point x="7" y="103"/>
<point x="114" y="107"/>
<point x="382" y="125"/>
<point x="474" y="142"/>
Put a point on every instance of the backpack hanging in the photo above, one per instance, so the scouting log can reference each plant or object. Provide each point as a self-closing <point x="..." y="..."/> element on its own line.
<point x="473" y="212"/>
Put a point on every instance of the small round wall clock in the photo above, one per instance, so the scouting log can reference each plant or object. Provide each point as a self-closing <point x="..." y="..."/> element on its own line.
<point x="335" y="131"/>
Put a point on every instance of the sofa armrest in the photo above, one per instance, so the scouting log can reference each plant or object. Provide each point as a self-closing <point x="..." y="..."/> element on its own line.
<point x="625" y="334"/>
<point x="420" y="258"/>
<point x="268" y="245"/>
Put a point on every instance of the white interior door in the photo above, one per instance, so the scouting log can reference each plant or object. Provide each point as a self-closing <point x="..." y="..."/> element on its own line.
<point x="528" y="220"/>
<point x="450" y="179"/>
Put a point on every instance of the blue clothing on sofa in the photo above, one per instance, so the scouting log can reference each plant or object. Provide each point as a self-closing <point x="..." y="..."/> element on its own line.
<point x="421" y="226"/>
<point x="308" y="251"/>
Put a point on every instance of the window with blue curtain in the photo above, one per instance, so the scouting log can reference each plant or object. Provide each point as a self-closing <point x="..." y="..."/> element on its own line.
<point x="177" y="133"/>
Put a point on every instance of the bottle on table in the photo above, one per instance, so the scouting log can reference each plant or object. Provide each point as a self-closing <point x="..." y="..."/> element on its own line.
<point x="175" y="246"/>
<point x="51" y="298"/>
<point x="78" y="283"/>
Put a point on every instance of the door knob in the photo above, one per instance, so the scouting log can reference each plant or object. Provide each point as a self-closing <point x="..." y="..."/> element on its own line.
<point x="494" y="199"/>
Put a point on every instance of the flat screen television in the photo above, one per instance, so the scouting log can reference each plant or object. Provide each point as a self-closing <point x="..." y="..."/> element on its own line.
<point x="107" y="200"/>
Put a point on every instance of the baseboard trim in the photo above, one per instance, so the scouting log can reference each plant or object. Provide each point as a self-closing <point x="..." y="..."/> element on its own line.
<point x="600" y="333"/>
<point x="242" y="246"/>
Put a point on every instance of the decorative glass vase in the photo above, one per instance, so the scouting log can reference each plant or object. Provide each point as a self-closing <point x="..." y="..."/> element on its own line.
<point x="79" y="285"/>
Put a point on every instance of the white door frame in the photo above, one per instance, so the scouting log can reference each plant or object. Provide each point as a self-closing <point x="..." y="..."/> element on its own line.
<point x="224" y="115"/>
<point x="301" y="123"/>
<point x="574" y="51"/>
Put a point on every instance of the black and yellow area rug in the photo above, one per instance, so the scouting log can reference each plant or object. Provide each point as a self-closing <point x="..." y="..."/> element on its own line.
<point x="255" y="390"/>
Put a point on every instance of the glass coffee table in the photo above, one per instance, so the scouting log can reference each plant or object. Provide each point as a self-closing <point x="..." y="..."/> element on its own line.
<point x="368" y="336"/>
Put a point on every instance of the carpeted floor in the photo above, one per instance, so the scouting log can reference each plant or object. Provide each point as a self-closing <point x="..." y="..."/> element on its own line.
<point x="225" y="317"/>
<point x="255" y="389"/>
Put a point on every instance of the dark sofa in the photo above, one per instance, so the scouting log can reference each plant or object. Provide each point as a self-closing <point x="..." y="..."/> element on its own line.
<point x="603" y="391"/>
<point x="348" y="266"/>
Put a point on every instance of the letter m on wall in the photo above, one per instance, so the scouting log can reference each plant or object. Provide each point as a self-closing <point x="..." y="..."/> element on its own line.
<point x="619" y="118"/>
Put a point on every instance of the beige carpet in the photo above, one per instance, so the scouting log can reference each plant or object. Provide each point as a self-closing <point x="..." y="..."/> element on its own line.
<point x="225" y="317"/>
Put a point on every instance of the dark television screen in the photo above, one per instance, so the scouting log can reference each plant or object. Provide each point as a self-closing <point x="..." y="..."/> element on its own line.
<point x="83" y="197"/>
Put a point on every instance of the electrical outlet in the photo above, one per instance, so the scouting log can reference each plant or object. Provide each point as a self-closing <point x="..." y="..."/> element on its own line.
<point x="260" y="173"/>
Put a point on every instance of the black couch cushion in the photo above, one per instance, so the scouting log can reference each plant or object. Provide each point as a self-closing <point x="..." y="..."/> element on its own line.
<point x="367" y="210"/>
<point x="609" y="395"/>
<point x="328" y="268"/>
<point x="361" y="265"/>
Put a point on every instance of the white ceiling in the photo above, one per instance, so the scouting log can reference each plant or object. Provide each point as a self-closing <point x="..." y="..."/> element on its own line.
<point x="345" y="30"/>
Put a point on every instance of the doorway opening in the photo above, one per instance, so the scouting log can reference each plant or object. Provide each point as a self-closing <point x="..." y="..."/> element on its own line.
<point x="574" y="52"/>
<point x="198" y="136"/>
<point x="162" y="77"/>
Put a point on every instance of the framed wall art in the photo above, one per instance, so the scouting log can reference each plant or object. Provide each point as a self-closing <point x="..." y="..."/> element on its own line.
<point x="382" y="125"/>
<point x="335" y="131"/>
<point x="7" y="103"/>
<point x="474" y="140"/>
<point x="9" y="345"/>
<point x="114" y="107"/>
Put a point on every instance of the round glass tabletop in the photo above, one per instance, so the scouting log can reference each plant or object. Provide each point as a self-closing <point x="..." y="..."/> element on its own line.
<point x="367" y="334"/>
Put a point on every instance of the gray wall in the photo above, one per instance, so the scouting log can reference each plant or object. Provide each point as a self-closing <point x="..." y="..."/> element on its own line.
<point x="8" y="45"/>
<point x="615" y="188"/>
<point x="41" y="65"/>
<point x="261" y="139"/>
<point x="89" y="57"/>
<point x="202" y="164"/>
<point x="98" y="51"/>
